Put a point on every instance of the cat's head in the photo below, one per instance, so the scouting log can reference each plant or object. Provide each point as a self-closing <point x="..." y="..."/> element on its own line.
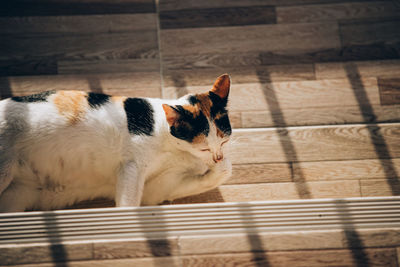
<point x="202" y="126"/>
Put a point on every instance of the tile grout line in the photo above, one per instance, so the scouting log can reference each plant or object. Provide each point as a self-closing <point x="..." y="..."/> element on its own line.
<point x="396" y="252"/>
<point x="157" y="3"/>
<point x="162" y="96"/>
<point x="380" y="89"/>
<point x="340" y="36"/>
<point x="180" y="260"/>
<point x="360" y="187"/>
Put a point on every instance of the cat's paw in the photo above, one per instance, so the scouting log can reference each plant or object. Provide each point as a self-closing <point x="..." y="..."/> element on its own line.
<point x="217" y="175"/>
<point x="221" y="172"/>
<point x="223" y="169"/>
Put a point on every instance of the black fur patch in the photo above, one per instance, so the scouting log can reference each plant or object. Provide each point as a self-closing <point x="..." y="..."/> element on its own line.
<point x="193" y="100"/>
<point x="219" y="105"/>
<point x="96" y="100"/>
<point x="188" y="126"/>
<point x="223" y="124"/>
<point x="140" y="117"/>
<point x="40" y="97"/>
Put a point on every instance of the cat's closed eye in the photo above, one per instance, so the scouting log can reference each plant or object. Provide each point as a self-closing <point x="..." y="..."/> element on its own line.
<point x="206" y="150"/>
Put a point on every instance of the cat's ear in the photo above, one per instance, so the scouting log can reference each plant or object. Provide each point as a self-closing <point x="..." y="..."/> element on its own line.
<point x="171" y="114"/>
<point x="221" y="86"/>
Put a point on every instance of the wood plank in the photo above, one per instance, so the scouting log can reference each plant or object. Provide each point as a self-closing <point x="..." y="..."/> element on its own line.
<point x="217" y="61"/>
<point x="214" y="17"/>
<point x="287" y="241"/>
<point x="337" y="11"/>
<point x="374" y="257"/>
<point x="377" y="51"/>
<point x="293" y="95"/>
<point x="321" y="116"/>
<point x="276" y="191"/>
<point x="145" y="84"/>
<point x="139" y="44"/>
<point x="365" y="257"/>
<point x="380" y="39"/>
<point x="235" y="119"/>
<point x="260" y="173"/>
<point x="178" y="5"/>
<point x="31" y="66"/>
<point x="380" y="187"/>
<point x="372" y="237"/>
<point x="349" y="53"/>
<point x="108" y="66"/>
<point x="249" y="38"/>
<point x="206" y="76"/>
<point x="142" y="262"/>
<point x="252" y="59"/>
<point x="259" y="38"/>
<point x="78" y="24"/>
<point x="74" y="7"/>
<point x="139" y="248"/>
<point x="324" y="143"/>
<point x="398" y="256"/>
<point x="278" y="241"/>
<point x="93" y="204"/>
<point x="347" y="170"/>
<point x="389" y="89"/>
<point x="370" y="32"/>
<point x="38" y="253"/>
<point x="355" y="69"/>
<point x="212" y="196"/>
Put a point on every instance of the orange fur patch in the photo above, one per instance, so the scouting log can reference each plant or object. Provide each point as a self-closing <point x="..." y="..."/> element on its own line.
<point x="118" y="99"/>
<point x="204" y="104"/>
<point x="220" y="133"/>
<point x="71" y="104"/>
<point x="219" y="115"/>
<point x="192" y="109"/>
<point x="201" y="138"/>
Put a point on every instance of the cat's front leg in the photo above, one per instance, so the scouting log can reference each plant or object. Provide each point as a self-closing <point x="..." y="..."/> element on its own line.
<point x="129" y="186"/>
<point x="196" y="184"/>
<point x="218" y="174"/>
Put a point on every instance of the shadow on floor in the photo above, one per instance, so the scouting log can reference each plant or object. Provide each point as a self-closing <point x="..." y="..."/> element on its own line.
<point x="284" y="137"/>
<point x="180" y="85"/>
<point x="353" y="240"/>
<point x="369" y="116"/>
<point x="259" y="257"/>
<point x="159" y="246"/>
<point x="57" y="249"/>
<point x="5" y="88"/>
<point x="94" y="85"/>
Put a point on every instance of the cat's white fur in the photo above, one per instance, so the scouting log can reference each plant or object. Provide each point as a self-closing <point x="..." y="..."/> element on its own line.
<point x="44" y="164"/>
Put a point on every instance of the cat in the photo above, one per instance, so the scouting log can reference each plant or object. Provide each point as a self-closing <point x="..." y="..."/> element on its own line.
<point x="61" y="147"/>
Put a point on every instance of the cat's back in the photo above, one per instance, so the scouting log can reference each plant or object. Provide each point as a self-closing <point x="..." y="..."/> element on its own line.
<point x="62" y="124"/>
<point x="59" y="112"/>
<point x="56" y="109"/>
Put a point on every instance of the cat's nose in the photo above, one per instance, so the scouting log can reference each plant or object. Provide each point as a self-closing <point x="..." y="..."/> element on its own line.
<point x="218" y="157"/>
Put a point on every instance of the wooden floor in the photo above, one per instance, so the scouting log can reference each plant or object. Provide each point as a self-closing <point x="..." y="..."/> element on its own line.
<point x="315" y="100"/>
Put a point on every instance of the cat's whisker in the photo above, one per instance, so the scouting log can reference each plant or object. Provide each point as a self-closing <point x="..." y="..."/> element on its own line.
<point x="233" y="140"/>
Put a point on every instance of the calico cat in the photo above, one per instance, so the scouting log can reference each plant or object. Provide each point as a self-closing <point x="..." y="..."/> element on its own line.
<point x="58" y="148"/>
